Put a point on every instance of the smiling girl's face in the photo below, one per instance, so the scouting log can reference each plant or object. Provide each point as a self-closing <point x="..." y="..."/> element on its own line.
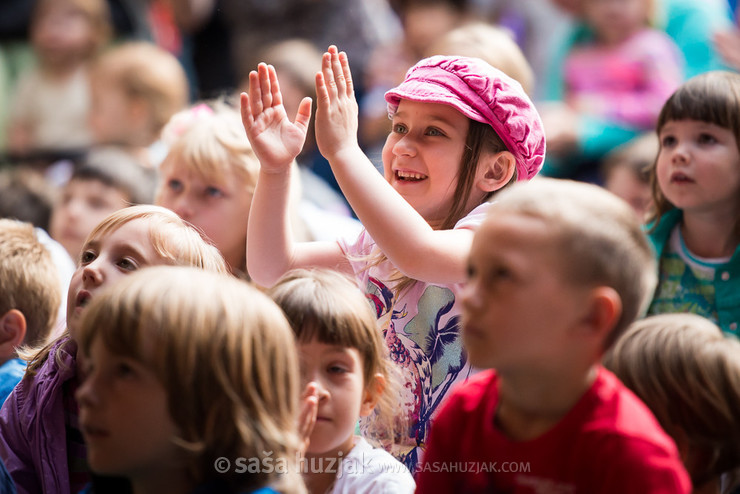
<point x="106" y="259"/>
<point x="219" y="207"/>
<point x="422" y="155"/>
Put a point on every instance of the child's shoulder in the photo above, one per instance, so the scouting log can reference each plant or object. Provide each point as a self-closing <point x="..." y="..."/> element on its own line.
<point x="371" y="470"/>
<point x="616" y="416"/>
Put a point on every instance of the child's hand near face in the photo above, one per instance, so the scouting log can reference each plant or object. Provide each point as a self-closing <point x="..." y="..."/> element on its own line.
<point x="336" y="113"/>
<point x="275" y="139"/>
<point x="307" y="416"/>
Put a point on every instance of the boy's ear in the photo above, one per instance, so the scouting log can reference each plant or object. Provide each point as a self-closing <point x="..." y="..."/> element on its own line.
<point x="12" y="331"/>
<point x="495" y="170"/>
<point x="604" y="310"/>
<point x="371" y="395"/>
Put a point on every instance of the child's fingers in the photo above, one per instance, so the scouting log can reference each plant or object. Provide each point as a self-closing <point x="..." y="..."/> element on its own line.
<point x="303" y="116"/>
<point x="255" y="94"/>
<point x="326" y="69"/>
<point x="344" y="64"/>
<point x="338" y="72"/>
<point x="322" y="93"/>
<point x="247" y="119"/>
<point x="277" y="97"/>
<point x="265" y="85"/>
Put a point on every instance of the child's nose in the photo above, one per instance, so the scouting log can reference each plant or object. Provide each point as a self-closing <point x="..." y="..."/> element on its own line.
<point x="406" y="146"/>
<point x="86" y="395"/>
<point x="92" y="274"/>
<point x="183" y="207"/>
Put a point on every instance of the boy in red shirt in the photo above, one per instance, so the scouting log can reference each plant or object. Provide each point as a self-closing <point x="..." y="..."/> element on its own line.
<point x="556" y="272"/>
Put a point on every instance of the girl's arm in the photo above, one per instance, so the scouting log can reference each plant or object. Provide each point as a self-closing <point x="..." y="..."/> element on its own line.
<point x="404" y="236"/>
<point x="271" y="250"/>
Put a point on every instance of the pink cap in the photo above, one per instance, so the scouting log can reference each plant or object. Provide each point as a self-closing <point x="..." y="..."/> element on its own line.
<point x="484" y="94"/>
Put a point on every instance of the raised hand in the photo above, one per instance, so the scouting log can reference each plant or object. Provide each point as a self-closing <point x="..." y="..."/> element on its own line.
<point x="336" y="112"/>
<point x="275" y="139"/>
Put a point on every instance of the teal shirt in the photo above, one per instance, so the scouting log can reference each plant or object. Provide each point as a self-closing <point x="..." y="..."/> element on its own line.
<point x="726" y="279"/>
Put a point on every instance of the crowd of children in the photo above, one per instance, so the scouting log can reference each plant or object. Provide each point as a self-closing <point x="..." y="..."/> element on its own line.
<point x="449" y="321"/>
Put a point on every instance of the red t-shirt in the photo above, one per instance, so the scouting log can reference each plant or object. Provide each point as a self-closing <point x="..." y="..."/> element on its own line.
<point x="609" y="442"/>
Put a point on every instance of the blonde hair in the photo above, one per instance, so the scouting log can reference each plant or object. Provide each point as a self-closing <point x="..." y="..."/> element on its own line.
<point x="209" y="139"/>
<point x="146" y="72"/>
<point x="597" y="235"/>
<point x="225" y="354"/>
<point x="97" y="14"/>
<point x="29" y="280"/>
<point x="325" y="306"/>
<point x="493" y="44"/>
<point x="688" y="374"/>
<point x="173" y="239"/>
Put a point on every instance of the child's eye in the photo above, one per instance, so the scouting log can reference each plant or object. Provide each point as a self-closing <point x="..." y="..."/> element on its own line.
<point x="399" y="129"/>
<point x="124" y="370"/>
<point x="667" y="141"/>
<point x="336" y="369"/>
<point x="706" y="139"/>
<point x="97" y="203"/>
<point x="174" y="185"/>
<point x="127" y="264"/>
<point x="470" y="272"/>
<point x="434" y="132"/>
<point x="214" y="192"/>
<point x="87" y="257"/>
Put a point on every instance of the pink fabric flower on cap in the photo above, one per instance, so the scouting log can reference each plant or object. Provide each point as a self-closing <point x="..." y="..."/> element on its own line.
<point x="481" y="93"/>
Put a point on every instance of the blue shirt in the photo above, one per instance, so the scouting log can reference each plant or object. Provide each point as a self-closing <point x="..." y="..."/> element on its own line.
<point x="11" y="373"/>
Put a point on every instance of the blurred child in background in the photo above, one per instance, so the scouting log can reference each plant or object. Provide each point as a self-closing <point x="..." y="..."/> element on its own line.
<point x="52" y="99"/>
<point x="622" y="75"/>
<point x="136" y="88"/>
<point x="209" y="175"/>
<point x="625" y="172"/>
<point x="688" y="374"/>
<point x="107" y="180"/>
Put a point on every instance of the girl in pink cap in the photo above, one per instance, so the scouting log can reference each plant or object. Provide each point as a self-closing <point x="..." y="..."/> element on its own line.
<point x="461" y="130"/>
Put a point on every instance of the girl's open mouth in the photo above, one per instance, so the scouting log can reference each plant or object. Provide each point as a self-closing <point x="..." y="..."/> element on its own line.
<point x="680" y="178"/>
<point x="409" y="176"/>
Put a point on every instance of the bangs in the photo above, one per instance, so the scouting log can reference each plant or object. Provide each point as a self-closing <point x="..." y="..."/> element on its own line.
<point x="712" y="98"/>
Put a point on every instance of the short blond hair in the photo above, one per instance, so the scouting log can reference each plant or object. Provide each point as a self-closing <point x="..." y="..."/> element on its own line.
<point x="597" y="235"/>
<point x="688" y="373"/>
<point x="29" y="280"/>
<point x="226" y="357"/>
<point x="144" y="71"/>
<point x="208" y="138"/>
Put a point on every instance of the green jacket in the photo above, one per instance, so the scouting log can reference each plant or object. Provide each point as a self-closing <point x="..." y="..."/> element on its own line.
<point x="726" y="278"/>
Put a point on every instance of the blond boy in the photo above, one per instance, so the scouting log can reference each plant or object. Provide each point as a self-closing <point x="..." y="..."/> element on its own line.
<point x="29" y="297"/>
<point x="556" y="272"/>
